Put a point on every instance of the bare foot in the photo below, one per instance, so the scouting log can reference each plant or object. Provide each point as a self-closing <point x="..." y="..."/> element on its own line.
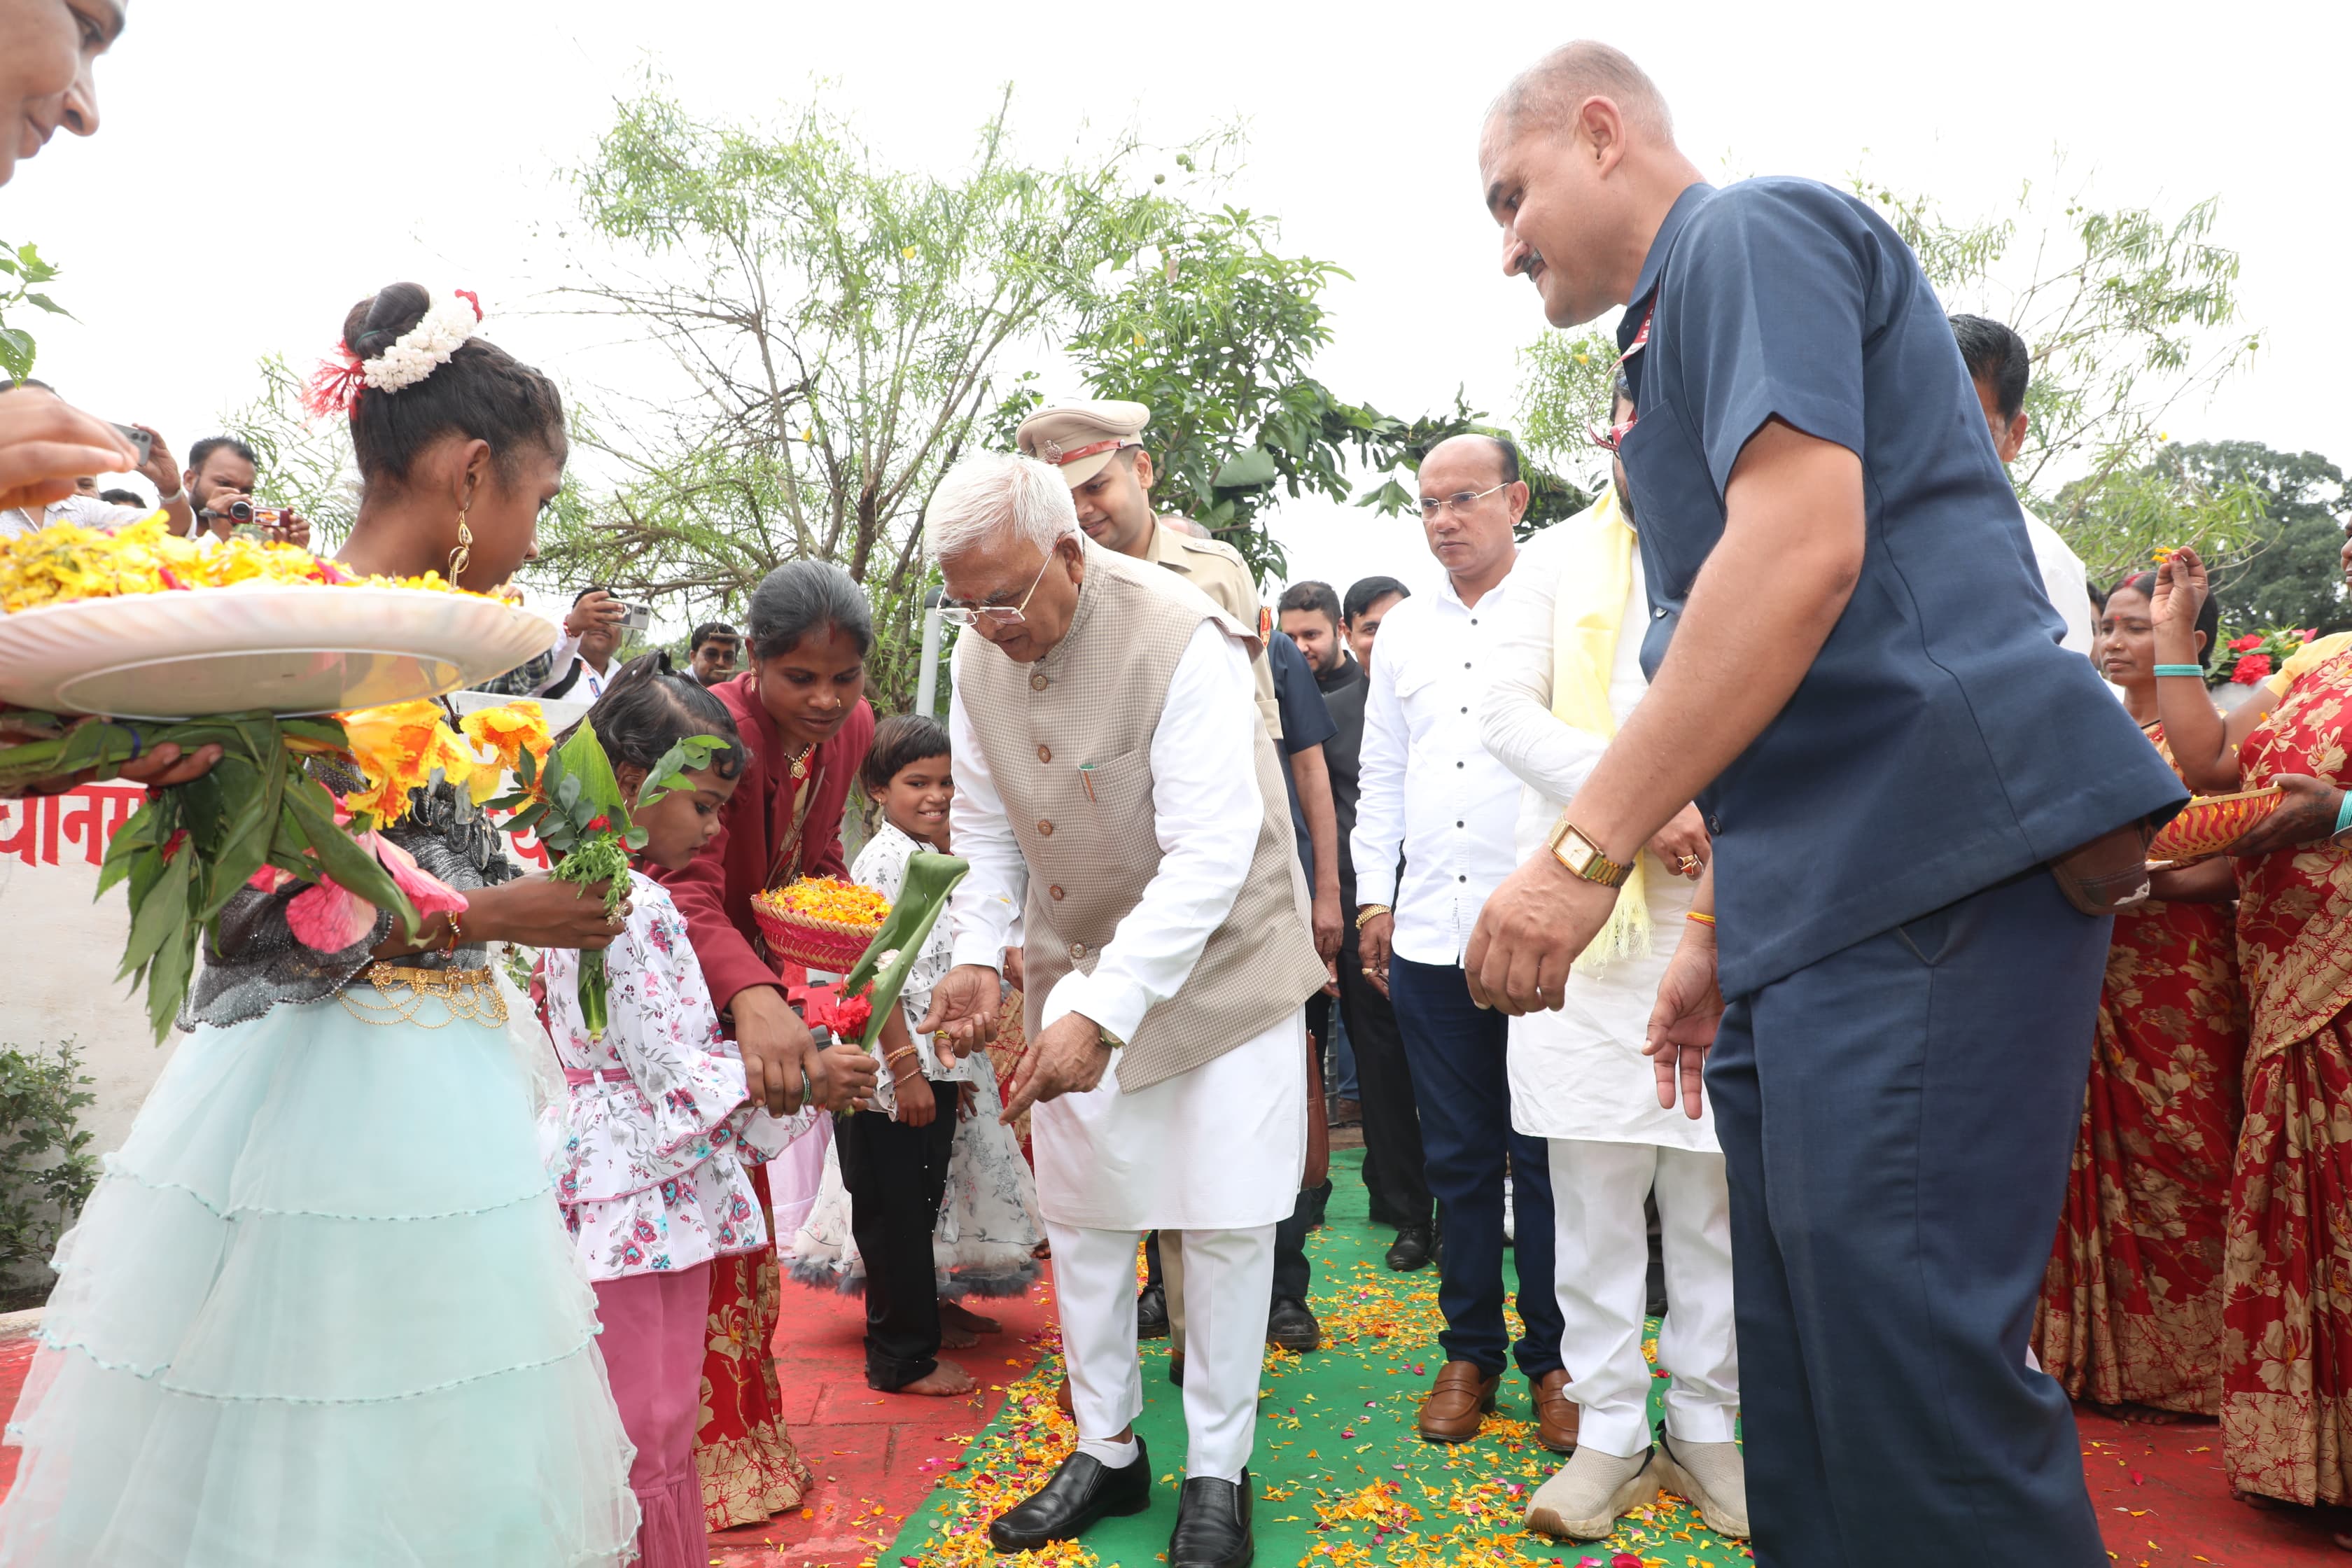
<point x="944" y="1381"/>
<point x="958" y="1315"/>
<point x="953" y="1338"/>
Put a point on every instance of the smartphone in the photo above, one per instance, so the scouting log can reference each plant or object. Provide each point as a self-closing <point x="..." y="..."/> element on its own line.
<point x="139" y="439"/>
<point x="636" y="617"/>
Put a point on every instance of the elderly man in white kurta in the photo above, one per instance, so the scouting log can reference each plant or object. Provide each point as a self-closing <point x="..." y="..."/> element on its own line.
<point x="1567" y="673"/>
<point x="1116" y="786"/>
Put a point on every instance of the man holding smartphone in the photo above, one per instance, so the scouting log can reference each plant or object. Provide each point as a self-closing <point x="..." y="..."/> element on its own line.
<point x="88" y="510"/>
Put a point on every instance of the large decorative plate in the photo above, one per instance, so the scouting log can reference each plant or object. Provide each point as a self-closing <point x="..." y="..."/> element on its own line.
<point x="289" y="649"/>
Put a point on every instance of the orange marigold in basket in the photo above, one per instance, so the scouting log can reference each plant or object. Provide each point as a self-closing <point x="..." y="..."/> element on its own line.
<point x="830" y="899"/>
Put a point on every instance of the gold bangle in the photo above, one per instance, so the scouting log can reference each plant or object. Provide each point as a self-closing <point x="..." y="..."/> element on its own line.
<point x="1365" y="916"/>
<point x="1700" y="916"/>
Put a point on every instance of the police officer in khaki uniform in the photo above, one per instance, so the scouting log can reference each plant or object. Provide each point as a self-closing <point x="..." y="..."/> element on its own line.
<point x="1098" y="446"/>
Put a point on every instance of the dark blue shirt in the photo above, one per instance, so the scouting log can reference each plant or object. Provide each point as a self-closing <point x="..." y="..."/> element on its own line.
<point x="1305" y="722"/>
<point x="1942" y="740"/>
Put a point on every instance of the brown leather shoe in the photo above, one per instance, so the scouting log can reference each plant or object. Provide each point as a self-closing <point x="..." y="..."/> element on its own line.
<point x="1450" y="1411"/>
<point x="1556" y="1413"/>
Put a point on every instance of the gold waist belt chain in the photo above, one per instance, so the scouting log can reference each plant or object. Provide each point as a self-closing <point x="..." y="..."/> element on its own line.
<point x="402" y="994"/>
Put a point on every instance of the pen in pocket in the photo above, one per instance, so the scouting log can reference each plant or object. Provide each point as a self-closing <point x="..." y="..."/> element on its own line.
<point x="1086" y="777"/>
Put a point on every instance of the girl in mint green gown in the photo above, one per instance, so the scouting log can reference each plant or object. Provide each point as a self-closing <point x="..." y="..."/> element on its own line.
<point x="321" y="1311"/>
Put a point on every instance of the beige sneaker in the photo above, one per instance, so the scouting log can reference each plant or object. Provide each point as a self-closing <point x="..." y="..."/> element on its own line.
<point x="1584" y="1498"/>
<point x="1714" y="1478"/>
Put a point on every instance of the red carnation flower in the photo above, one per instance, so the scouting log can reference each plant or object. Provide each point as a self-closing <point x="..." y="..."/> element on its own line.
<point x="599" y="823"/>
<point x="2251" y="668"/>
<point x="2250" y="641"/>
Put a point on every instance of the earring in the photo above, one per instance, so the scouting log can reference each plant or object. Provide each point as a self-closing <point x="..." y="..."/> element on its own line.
<point x="461" y="556"/>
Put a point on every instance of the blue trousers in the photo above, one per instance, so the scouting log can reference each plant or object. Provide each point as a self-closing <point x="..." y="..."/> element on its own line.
<point x="1897" y="1120"/>
<point x="1456" y="1051"/>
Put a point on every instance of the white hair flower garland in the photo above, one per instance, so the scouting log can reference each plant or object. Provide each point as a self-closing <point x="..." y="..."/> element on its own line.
<point x="426" y="347"/>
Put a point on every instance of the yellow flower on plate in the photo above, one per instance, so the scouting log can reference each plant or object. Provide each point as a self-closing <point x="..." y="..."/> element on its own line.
<point x="64" y="562"/>
<point x="398" y="748"/>
<point x="505" y="732"/>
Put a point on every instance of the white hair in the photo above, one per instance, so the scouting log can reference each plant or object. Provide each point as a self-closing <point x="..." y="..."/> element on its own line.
<point x="998" y="490"/>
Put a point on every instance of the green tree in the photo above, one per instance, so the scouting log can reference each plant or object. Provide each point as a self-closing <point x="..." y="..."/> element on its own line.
<point x="1217" y="333"/>
<point x="22" y="272"/>
<point x="841" y="330"/>
<point x="2298" y="579"/>
<point x="303" y="463"/>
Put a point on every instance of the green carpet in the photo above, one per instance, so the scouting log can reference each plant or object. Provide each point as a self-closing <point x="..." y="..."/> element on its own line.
<point x="1342" y="1480"/>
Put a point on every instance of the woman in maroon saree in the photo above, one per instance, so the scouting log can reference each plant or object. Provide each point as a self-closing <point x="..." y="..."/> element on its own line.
<point x="801" y="710"/>
<point x="2131" y="1305"/>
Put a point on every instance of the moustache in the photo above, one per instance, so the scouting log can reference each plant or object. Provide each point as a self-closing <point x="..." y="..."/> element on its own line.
<point x="1530" y="261"/>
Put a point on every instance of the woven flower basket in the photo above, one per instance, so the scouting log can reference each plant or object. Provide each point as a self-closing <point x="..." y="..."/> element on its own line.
<point x="830" y="946"/>
<point x="2210" y="824"/>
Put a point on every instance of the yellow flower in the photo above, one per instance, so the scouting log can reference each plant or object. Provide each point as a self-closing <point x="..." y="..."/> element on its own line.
<point x="506" y="733"/>
<point x="398" y="748"/>
<point x="64" y="562"/>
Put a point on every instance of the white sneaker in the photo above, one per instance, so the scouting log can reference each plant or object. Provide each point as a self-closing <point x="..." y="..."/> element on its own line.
<point x="1583" y="1501"/>
<point x="1714" y="1477"/>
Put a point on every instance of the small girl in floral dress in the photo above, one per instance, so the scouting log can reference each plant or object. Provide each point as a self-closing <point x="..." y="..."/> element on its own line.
<point x="649" y="1153"/>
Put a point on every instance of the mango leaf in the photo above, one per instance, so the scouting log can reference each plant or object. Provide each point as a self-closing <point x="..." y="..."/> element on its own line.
<point x="134" y="836"/>
<point x="1243" y="470"/>
<point x="246" y="847"/>
<point x="161" y="914"/>
<point x="167" y="980"/>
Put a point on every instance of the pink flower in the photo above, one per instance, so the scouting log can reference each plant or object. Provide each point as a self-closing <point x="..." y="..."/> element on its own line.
<point x="429" y="893"/>
<point x="2249" y="668"/>
<point x="327" y="917"/>
<point x="2308" y="633"/>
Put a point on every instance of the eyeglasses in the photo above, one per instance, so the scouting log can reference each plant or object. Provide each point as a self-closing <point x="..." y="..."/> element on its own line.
<point x="1432" y="506"/>
<point x="957" y="615"/>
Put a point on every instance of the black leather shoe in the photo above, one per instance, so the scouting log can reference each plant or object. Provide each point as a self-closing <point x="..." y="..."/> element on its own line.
<point x="1080" y="1492"/>
<point x="1212" y="1525"/>
<point x="1176" y="1369"/>
<point x="1290" y="1325"/>
<point x="1151" y="1313"/>
<point x="1414" y="1248"/>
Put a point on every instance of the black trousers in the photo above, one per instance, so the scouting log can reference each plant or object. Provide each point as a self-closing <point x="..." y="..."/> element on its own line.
<point x="1393" y="1165"/>
<point x="897" y="1175"/>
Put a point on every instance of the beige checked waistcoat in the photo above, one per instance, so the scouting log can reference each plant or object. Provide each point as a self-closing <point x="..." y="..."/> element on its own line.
<point x="1090" y="837"/>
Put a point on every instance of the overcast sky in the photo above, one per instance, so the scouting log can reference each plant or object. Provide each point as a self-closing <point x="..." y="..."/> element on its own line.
<point x="263" y="163"/>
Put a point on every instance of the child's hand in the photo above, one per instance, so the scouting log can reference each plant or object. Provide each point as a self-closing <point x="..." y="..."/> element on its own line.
<point x="917" y="1106"/>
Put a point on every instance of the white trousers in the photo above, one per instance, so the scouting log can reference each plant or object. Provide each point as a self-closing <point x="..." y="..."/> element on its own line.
<point x="1228" y="1285"/>
<point x="1601" y="1275"/>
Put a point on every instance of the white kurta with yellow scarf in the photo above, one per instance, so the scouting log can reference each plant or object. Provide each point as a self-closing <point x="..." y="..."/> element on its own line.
<point x="1569" y="673"/>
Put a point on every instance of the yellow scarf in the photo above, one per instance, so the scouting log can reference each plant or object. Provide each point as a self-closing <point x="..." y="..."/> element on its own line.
<point x="1596" y="578"/>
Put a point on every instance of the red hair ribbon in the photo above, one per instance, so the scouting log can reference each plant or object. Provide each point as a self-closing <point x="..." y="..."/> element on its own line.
<point x="335" y="386"/>
<point x="470" y="297"/>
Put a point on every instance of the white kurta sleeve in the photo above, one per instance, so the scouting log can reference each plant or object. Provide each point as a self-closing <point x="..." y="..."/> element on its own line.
<point x="1379" y="834"/>
<point x="1516" y="721"/>
<point x="1204" y="790"/>
<point x="986" y="905"/>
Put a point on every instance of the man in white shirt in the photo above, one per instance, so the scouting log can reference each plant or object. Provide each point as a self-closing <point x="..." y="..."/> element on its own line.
<point x="1567" y="673"/>
<point x="2001" y="365"/>
<point x="1429" y="789"/>
<point x="1116" y="788"/>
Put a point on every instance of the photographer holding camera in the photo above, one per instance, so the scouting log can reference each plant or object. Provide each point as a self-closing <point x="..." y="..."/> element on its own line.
<point x="222" y="472"/>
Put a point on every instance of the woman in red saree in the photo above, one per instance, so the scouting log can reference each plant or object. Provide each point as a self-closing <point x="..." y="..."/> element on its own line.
<point x="801" y="710"/>
<point x="2131" y="1306"/>
<point x="2286" y="1380"/>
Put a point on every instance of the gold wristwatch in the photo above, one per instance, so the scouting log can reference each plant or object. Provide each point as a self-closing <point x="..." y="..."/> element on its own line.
<point x="1582" y="856"/>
